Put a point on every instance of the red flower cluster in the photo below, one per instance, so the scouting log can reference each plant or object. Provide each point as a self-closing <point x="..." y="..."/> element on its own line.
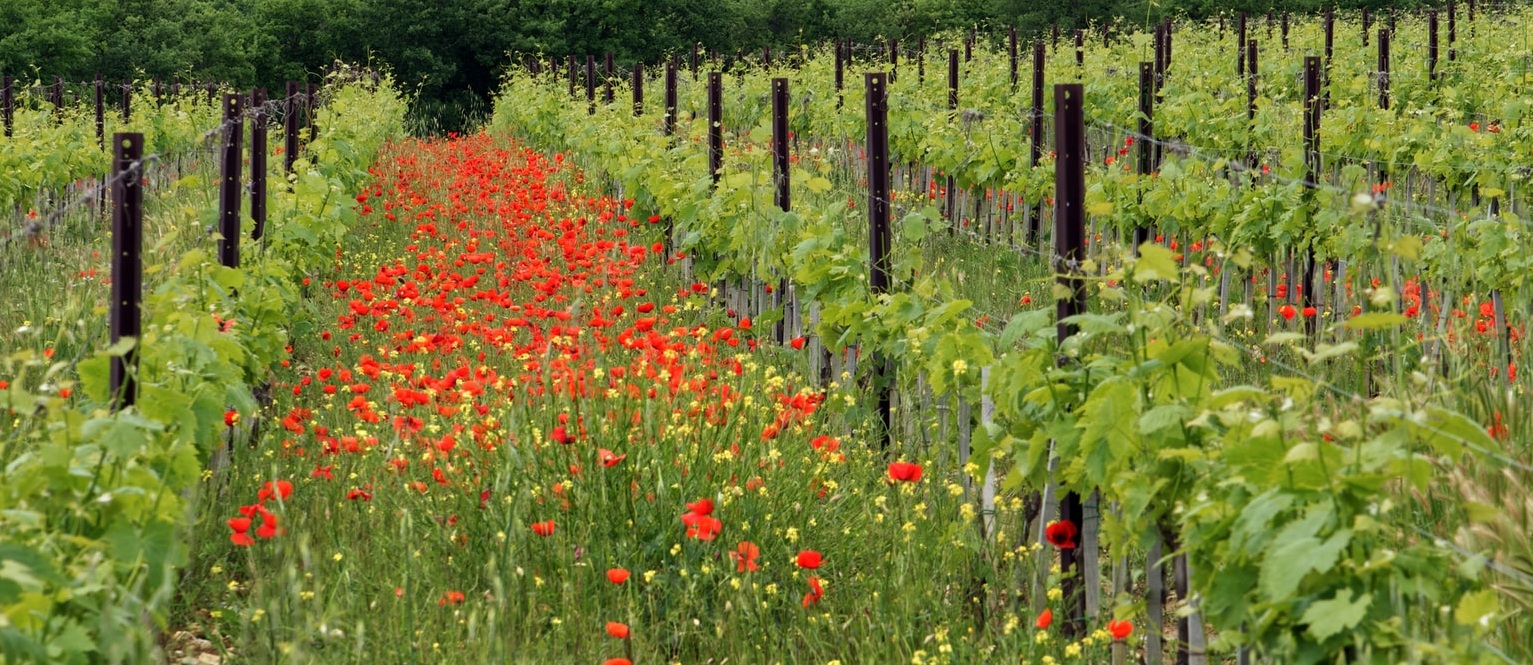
<point x="268" y="528"/>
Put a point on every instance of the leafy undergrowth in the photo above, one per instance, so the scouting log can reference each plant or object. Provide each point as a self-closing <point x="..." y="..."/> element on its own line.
<point x="523" y="436"/>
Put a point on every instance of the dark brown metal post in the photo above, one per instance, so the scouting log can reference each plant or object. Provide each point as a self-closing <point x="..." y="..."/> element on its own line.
<point x="780" y="141"/>
<point x="290" y="128"/>
<point x="840" y="72"/>
<point x="311" y="111"/>
<point x="1011" y="49"/>
<point x="670" y="98"/>
<point x="1035" y="135"/>
<point x="1330" y="35"/>
<point x="229" y="183"/>
<point x="780" y="176"/>
<point x="1452" y="32"/>
<point x="1146" y="132"/>
<point x="638" y="89"/>
<point x="1240" y="41"/>
<point x="1384" y="69"/>
<point x="607" y="93"/>
<point x="1253" y="70"/>
<point x="879" y="237"/>
<point x="1432" y="45"/>
<point x="100" y="112"/>
<point x="127" y="101"/>
<point x="573" y="71"/>
<point x="258" y="164"/>
<point x="590" y="84"/>
<point x="56" y="97"/>
<point x="715" y="125"/>
<point x="8" y="105"/>
<point x="951" y="200"/>
<point x="126" y="315"/>
<point x="1080" y="48"/>
<point x="1313" y="107"/>
<point x="1069" y="252"/>
<point x="894" y="59"/>
<point x="921" y="60"/>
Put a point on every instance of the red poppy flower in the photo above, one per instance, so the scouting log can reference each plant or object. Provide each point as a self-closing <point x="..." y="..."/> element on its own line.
<point x="279" y="488"/>
<point x="268" y="528"/>
<point x="824" y="443"/>
<point x="450" y="598"/>
<point x="905" y="472"/>
<point x="359" y="495"/>
<point x="797" y="343"/>
<point x="618" y="630"/>
<point x="231" y="418"/>
<point x="1120" y="629"/>
<point x="608" y="459"/>
<point x="701" y="527"/>
<point x="816" y="592"/>
<point x="1287" y="312"/>
<point x="701" y="507"/>
<point x="617" y="575"/>
<point x="745" y="556"/>
<point x="561" y="435"/>
<point x="326" y="472"/>
<point x="1061" y="534"/>
<point x="1045" y="618"/>
<point x="1310" y="312"/>
<point x="618" y="661"/>
<point x="544" y="529"/>
<point x="810" y="559"/>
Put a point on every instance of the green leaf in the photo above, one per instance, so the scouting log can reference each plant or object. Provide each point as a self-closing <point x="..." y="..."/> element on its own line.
<point x="1375" y="320"/>
<point x="1330" y="617"/>
<point x="1477" y="608"/>
<point x="1155" y="262"/>
<point x="1025" y="324"/>
<point x="121" y="347"/>
<point x="95" y="377"/>
<point x="1106" y="437"/>
<point x="818" y="185"/>
<point x="1162" y="417"/>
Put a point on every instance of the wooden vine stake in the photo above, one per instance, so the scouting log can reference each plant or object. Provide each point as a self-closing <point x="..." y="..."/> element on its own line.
<point x="126" y="316"/>
<point x="879" y="236"/>
<point x="1069" y="252"/>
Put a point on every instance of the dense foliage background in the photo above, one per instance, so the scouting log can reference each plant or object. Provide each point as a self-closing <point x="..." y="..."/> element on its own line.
<point x="453" y="50"/>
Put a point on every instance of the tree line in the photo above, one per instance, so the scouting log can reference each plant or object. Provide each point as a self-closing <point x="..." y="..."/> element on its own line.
<point x="452" y="52"/>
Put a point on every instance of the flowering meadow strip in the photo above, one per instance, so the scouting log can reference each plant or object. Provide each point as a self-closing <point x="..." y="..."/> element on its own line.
<point x="94" y="504"/>
<point x="521" y="435"/>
